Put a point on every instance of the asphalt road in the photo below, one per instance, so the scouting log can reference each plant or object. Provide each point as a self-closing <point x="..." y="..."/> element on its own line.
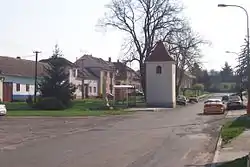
<point x="174" y="138"/>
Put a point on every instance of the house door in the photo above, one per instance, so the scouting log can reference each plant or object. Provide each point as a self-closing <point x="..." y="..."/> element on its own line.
<point x="7" y="91"/>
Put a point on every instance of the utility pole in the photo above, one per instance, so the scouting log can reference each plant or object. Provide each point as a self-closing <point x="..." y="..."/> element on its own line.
<point x="82" y="70"/>
<point x="35" y="89"/>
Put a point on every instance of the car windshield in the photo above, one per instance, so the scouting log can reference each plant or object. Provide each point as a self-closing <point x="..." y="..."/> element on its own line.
<point x="234" y="98"/>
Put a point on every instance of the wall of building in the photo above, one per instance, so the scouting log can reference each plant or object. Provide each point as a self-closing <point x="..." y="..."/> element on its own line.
<point x="17" y="81"/>
<point x="107" y="78"/>
<point x="92" y="85"/>
<point x="160" y="88"/>
<point x="1" y="89"/>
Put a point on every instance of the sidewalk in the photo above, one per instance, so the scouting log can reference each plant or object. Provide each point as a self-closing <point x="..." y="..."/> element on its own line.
<point x="238" y="147"/>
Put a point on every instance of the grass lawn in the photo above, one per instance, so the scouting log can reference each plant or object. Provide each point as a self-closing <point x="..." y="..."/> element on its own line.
<point x="90" y="107"/>
<point x="234" y="128"/>
<point x="240" y="162"/>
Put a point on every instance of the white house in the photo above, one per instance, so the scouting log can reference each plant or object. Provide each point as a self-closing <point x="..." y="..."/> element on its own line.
<point x="90" y="82"/>
<point x="75" y="77"/>
<point x="160" y="78"/>
<point x="102" y="71"/>
<point x="19" y="77"/>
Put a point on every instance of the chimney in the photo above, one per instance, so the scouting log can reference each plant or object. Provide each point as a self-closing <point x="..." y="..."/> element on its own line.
<point x="18" y="57"/>
<point x="109" y="59"/>
<point x="118" y="61"/>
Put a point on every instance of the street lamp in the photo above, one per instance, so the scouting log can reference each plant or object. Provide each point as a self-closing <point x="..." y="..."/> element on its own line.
<point x="248" y="51"/>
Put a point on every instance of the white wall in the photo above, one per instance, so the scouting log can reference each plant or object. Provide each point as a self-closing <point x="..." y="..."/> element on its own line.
<point x="160" y="88"/>
<point x="93" y="84"/>
<point x="23" y="89"/>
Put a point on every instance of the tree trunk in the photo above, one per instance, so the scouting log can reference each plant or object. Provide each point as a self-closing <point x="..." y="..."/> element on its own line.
<point x="143" y="78"/>
<point x="178" y="85"/>
<point x="176" y="80"/>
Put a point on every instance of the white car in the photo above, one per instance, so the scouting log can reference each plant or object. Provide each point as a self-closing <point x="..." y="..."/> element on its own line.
<point x="3" y="110"/>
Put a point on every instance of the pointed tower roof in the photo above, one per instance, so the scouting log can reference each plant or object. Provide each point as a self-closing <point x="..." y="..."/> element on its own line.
<point x="160" y="53"/>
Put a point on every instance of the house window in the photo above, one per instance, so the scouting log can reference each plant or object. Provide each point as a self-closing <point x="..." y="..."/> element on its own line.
<point x="90" y="89"/>
<point x="94" y="89"/>
<point x="158" y="70"/>
<point x="18" y="87"/>
<point x="27" y="87"/>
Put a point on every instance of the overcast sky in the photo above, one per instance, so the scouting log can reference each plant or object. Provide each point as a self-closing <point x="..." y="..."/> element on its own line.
<point x="40" y="24"/>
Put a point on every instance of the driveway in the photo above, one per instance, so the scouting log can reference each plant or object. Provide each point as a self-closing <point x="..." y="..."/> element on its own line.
<point x="172" y="138"/>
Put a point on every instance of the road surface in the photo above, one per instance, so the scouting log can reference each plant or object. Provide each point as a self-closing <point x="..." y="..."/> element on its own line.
<point x="174" y="138"/>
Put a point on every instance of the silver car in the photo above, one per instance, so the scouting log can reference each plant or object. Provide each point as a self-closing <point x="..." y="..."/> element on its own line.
<point x="234" y="102"/>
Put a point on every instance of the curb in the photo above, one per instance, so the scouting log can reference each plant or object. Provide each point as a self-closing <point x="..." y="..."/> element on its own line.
<point x="217" y="149"/>
<point x="149" y="109"/>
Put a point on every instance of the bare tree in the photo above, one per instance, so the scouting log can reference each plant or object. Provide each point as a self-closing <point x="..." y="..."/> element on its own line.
<point x="144" y="22"/>
<point x="185" y="46"/>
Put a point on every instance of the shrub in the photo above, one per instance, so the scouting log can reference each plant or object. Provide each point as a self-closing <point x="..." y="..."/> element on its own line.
<point x="50" y="103"/>
<point x="198" y="87"/>
<point x="29" y="100"/>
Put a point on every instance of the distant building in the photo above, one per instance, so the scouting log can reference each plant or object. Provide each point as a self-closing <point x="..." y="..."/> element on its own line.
<point x="103" y="70"/>
<point x="187" y="79"/>
<point x="126" y="76"/>
<point x="76" y="76"/>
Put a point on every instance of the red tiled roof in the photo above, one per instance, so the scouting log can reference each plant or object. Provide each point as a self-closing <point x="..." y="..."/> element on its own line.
<point x="160" y="53"/>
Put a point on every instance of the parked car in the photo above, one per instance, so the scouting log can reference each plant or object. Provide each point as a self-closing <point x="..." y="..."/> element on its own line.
<point x="181" y="100"/>
<point x="234" y="102"/>
<point x="193" y="99"/>
<point x="225" y="98"/>
<point x="3" y="110"/>
<point x="214" y="106"/>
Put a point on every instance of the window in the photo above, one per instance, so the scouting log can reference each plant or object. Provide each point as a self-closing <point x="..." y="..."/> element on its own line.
<point x="90" y="89"/>
<point x="27" y="87"/>
<point x="94" y="89"/>
<point x="18" y="87"/>
<point x="158" y="70"/>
